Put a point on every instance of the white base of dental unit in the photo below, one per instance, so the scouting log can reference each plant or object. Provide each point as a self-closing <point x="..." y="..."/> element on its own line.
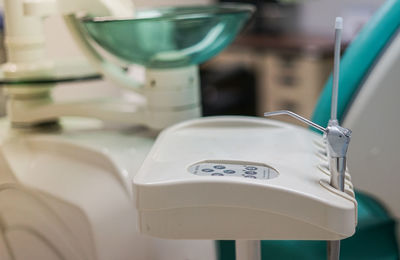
<point x="241" y="178"/>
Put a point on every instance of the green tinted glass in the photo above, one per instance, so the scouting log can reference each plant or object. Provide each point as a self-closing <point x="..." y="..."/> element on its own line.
<point x="170" y="37"/>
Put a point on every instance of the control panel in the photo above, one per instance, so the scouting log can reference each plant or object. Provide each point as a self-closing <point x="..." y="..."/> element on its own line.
<point x="233" y="169"/>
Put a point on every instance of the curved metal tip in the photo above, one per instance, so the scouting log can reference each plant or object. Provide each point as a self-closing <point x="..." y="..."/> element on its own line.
<point x="298" y="117"/>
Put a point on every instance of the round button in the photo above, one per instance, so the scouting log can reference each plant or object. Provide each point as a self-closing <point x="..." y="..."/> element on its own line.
<point x="250" y="172"/>
<point x="217" y="174"/>
<point x="251" y="168"/>
<point x="207" y="170"/>
<point x="219" y="167"/>
<point x="250" y="176"/>
<point x="229" y="171"/>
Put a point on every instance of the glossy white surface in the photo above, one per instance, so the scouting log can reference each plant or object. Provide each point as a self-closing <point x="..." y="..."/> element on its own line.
<point x="68" y="195"/>
<point x="297" y="204"/>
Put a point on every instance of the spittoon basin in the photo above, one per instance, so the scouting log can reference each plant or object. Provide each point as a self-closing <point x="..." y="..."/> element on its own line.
<point x="170" y="37"/>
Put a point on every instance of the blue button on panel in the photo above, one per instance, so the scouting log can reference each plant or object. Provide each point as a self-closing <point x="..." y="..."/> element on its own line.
<point x="219" y="167"/>
<point x="229" y="171"/>
<point x="251" y="168"/>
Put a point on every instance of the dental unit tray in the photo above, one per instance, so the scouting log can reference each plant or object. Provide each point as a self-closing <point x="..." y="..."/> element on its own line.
<point x="67" y="70"/>
<point x="241" y="178"/>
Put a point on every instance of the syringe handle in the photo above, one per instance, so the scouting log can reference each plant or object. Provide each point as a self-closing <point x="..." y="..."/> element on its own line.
<point x="337" y="167"/>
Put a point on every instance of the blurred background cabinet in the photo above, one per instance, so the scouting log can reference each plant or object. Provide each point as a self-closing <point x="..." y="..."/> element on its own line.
<point x="283" y="59"/>
<point x="292" y="82"/>
<point x="281" y="71"/>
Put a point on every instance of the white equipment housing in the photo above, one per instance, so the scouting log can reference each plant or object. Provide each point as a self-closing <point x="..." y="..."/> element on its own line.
<point x="241" y="178"/>
<point x="68" y="195"/>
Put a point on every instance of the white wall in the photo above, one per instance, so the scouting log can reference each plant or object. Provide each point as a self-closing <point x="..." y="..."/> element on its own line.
<point x="318" y="16"/>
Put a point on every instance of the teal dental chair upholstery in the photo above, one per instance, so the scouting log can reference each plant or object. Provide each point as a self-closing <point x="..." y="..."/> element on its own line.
<point x="375" y="236"/>
<point x="359" y="59"/>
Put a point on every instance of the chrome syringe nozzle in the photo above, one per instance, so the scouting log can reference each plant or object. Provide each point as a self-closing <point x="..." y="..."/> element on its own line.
<point x="298" y="117"/>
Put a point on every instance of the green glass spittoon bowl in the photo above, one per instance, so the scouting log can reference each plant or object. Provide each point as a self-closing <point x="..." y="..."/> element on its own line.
<point x="170" y="37"/>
